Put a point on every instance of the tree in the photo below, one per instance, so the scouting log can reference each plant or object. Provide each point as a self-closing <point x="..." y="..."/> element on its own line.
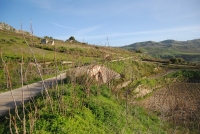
<point x="72" y="38"/>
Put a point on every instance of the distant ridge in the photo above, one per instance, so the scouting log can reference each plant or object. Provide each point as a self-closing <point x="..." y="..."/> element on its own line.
<point x="168" y="41"/>
<point x="188" y="50"/>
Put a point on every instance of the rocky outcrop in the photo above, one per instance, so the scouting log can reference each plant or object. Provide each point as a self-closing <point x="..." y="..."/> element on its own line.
<point x="97" y="73"/>
<point x="6" y="27"/>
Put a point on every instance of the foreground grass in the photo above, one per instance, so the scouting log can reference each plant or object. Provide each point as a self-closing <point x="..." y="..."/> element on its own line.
<point x="76" y="112"/>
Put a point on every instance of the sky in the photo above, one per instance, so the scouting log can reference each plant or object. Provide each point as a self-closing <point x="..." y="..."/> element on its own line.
<point x="105" y="22"/>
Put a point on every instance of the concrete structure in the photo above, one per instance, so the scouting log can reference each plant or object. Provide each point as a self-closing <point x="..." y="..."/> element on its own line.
<point x="51" y="42"/>
<point x="44" y="41"/>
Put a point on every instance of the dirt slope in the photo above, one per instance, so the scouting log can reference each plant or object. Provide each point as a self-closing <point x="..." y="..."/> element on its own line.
<point x="179" y="103"/>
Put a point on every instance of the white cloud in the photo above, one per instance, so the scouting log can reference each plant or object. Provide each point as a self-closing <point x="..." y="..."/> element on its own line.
<point x="84" y="31"/>
<point x="61" y="25"/>
<point x="161" y="31"/>
<point x="81" y="33"/>
<point x="118" y="39"/>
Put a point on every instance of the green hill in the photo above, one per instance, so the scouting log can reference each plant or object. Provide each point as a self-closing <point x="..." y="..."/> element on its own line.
<point x="188" y="50"/>
<point x="15" y="47"/>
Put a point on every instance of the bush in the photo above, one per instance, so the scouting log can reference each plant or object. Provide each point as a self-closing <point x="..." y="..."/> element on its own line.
<point x="190" y="76"/>
<point x="62" y="49"/>
<point x="3" y="40"/>
<point x="12" y="40"/>
<point x="177" y="60"/>
<point x="48" y="48"/>
<point x="8" y="42"/>
<point x="138" y="51"/>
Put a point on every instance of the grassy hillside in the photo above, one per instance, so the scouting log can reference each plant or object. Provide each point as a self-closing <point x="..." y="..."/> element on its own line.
<point x="102" y="110"/>
<point x="188" y="50"/>
<point x="106" y="108"/>
<point x="125" y="105"/>
<point x="15" y="48"/>
<point x="13" y="44"/>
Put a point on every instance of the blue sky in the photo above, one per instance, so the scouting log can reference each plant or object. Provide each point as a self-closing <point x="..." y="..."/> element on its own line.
<point x="121" y="21"/>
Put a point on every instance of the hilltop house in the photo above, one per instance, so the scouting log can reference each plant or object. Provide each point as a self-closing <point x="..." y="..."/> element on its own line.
<point x="45" y="41"/>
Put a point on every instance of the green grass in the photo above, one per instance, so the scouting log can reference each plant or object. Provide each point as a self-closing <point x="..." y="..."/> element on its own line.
<point x="13" y="48"/>
<point x="74" y="109"/>
<point x="12" y="44"/>
<point x="95" y="114"/>
<point x="134" y="69"/>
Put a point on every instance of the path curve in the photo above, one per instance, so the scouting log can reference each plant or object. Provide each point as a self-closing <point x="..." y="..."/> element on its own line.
<point x="28" y="91"/>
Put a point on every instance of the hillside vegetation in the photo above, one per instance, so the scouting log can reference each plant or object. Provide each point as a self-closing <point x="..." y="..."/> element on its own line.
<point x="149" y="97"/>
<point x="188" y="50"/>
<point x="16" y="52"/>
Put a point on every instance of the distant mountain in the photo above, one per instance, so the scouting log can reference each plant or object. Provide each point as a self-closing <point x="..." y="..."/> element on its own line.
<point x="188" y="50"/>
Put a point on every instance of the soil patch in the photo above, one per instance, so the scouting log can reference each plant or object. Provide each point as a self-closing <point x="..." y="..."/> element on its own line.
<point x="179" y="103"/>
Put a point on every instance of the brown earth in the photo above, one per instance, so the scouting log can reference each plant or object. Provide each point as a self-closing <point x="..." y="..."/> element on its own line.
<point x="179" y="103"/>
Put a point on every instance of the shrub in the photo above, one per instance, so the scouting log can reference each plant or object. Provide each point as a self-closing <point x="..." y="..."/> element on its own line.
<point x="62" y="49"/>
<point x="48" y="48"/>
<point x="177" y="60"/>
<point x="8" y="42"/>
<point x="12" y="40"/>
<point x="138" y="51"/>
<point x="3" y="40"/>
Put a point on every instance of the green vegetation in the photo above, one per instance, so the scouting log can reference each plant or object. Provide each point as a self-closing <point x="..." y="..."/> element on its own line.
<point x="187" y="50"/>
<point x="177" y="61"/>
<point x="184" y="75"/>
<point x="84" y="106"/>
<point x="72" y="38"/>
<point x="74" y="112"/>
<point x="14" y="47"/>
